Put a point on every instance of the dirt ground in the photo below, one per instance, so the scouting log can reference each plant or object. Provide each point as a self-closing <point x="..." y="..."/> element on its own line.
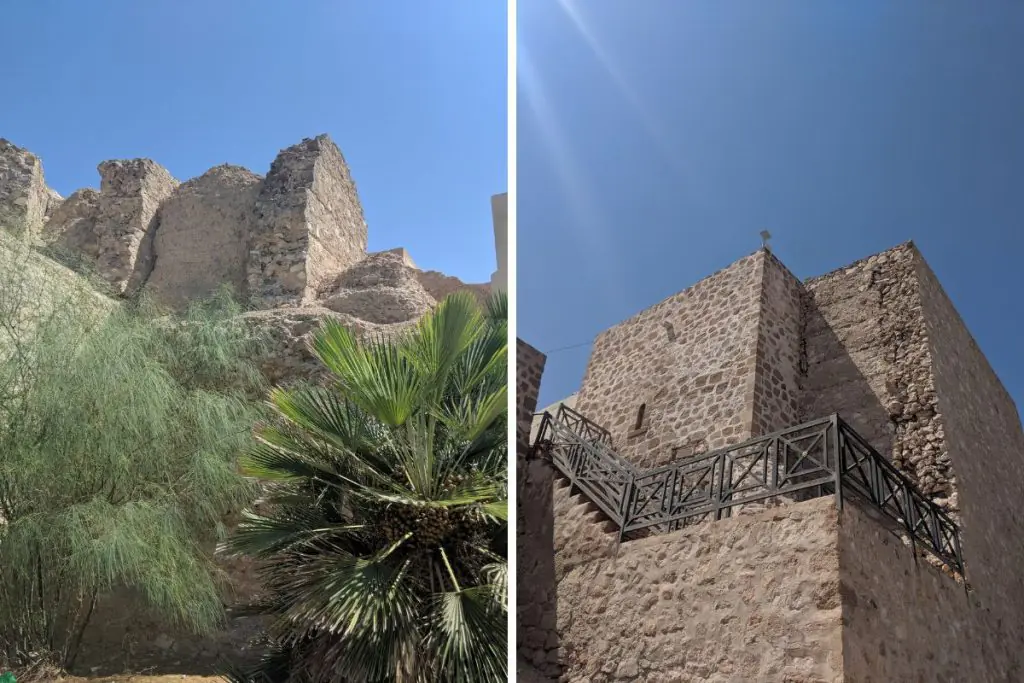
<point x="176" y="678"/>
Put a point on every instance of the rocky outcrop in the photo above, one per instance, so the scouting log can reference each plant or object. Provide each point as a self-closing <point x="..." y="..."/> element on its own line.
<point x="287" y="358"/>
<point x="201" y="242"/>
<point x="379" y="289"/>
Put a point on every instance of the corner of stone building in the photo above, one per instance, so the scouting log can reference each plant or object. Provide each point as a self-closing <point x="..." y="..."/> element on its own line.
<point x="537" y="641"/>
<point x="749" y="598"/>
<point x="982" y="439"/>
<point x="934" y="629"/>
<point x="775" y="378"/>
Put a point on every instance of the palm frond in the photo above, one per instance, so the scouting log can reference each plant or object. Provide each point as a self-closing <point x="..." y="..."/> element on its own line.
<point x="470" y="637"/>
<point x="376" y="377"/>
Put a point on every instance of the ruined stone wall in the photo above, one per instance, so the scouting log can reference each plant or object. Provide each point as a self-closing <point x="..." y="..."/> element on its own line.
<point x="24" y="198"/>
<point x="536" y="636"/>
<point x="131" y="192"/>
<point x="685" y="364"/>
<point x="309" y="224"/>
<point x="201" y="241"/>
<point x="750" y="598"/>
<point x="72" y="225"/>
<point x="868" y="359"/>
<point x="113" y="229"/>
<point x="439" y="285"/>
<point x="903" y="620"/>
<point x="984" y="442"/>
<point x="401" y="251"/>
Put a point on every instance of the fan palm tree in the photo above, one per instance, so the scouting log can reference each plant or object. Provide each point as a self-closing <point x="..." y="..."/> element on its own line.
<point x="384" y="550"/>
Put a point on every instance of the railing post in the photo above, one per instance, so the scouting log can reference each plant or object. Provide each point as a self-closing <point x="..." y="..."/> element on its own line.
<point x="908" y="500"/>
<point x="724" y="474"/>
<point x="626" y="506"/>
<point x="837" y="460"/>
<point x="959" y="556"/>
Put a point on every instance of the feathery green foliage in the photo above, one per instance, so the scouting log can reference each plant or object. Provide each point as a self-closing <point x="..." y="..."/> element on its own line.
<point x="384" y="550"/>
<point x="119" y="434"/>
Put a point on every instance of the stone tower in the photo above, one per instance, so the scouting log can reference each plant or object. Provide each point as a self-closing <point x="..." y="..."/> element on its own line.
<point x="791" y="590"/>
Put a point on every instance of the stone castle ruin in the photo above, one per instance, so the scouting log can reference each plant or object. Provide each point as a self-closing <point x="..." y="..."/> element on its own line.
<point x="769" y="479"/>
<point x="291" y="245"/>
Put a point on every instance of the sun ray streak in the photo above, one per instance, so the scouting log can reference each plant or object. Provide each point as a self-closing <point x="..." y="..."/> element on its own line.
<point x="588" y="227"/>
<point x="652" y="126"/>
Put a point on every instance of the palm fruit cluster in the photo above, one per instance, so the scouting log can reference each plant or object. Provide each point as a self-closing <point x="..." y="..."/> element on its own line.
<point x="431" y="525"/>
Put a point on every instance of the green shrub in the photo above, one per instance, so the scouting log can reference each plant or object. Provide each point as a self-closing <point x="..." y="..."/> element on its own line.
<point x="119" y="434"/>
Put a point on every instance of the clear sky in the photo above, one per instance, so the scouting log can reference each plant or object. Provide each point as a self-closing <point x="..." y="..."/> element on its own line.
<point x="414" y="93"/>
<point x="656" y="139"/>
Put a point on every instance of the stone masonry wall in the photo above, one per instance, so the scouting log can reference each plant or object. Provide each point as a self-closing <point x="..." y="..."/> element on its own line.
<point x="702" y="364"/>
<point x="985" y="444"/>
<point x="201" y="241"/>
<point x="878" y="342"/>
<point x="752" y="598"/>
<point x="687" y="361"/>
<point x="776" y="379"/>
<point x="903" y="620"/>
<point x="536" y="635"/>
<point x="439" y="285"/>
<point x="868" y="359"/>
<point x="130" y="194"/>
<point x="529" y="369"/>
<point x="309" y="224"/>
<point x="112" y="230"/>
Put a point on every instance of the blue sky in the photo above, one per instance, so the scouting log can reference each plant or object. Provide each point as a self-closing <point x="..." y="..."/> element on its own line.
<point x="656" y="139"/>
<point x="413" y="93"/>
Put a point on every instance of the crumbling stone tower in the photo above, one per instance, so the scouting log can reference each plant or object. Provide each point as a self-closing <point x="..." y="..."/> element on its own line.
<point x="788" y="590"/>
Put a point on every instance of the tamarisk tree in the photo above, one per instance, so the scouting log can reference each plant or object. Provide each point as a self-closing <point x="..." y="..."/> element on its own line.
<point x="119" y="434"/>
